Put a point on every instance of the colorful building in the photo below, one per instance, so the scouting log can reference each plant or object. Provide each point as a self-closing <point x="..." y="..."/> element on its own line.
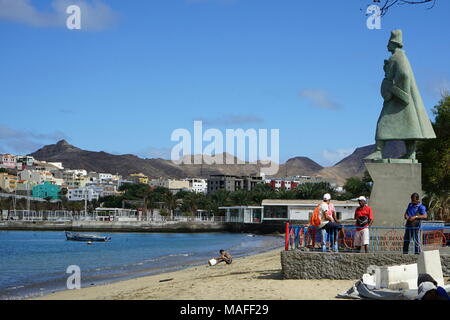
<point x="46" y="189"/>
<point x="138" y="178"/>
<point x="8" y="182"/>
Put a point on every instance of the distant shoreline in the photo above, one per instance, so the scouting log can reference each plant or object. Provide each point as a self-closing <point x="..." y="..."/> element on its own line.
<point x="146" y="226"/>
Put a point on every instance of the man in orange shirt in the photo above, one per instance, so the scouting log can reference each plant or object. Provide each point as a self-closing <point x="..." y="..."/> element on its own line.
<point x="364" y="219"/>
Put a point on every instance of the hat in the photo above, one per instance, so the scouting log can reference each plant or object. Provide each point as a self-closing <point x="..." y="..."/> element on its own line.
<point x="425" y="277"/>
<point x="424" y="287"/>
<point x="326" y="196"/>
<point x="362" y="198"/>
<point x="397" y="37"/>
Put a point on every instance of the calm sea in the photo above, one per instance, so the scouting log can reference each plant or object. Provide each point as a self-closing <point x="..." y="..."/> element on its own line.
<point x="35" y="263"/>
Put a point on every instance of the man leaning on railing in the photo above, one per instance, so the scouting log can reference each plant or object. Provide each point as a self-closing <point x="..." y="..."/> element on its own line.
<point x="414" y="213"/>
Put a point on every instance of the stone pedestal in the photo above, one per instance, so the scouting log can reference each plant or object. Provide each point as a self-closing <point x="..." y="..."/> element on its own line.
<point x="393" y="184"/>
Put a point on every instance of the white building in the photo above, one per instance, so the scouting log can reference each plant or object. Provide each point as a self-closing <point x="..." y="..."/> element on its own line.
<point x="243" y="214"/>
<point x="286" y="210"/>
<point x="116" y="214"/>
<point x="73" y="178"/>
<point x="26" y="160"/>
<point x="171" y="184"/>
<point x="8" y="161"/>
<point x="37" y="176"/>
<point x="82" y="194"/>
<point x="104" y="189"/>
<point x="47" y="166"/>
<point x="101" y="177"/>
<point x="301" y="210"/>
<point x="198" y="185"/>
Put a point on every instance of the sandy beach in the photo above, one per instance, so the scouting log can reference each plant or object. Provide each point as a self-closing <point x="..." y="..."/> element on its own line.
<point x="251" y="277"/>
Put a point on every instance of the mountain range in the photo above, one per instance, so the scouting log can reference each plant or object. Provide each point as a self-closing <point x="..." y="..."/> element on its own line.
<point x="100" y="161"/>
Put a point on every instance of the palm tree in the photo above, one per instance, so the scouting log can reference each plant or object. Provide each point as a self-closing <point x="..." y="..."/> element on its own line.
<point x="171" y="202"/>
<point x="240" y="197"/>
<point x="439" y="207"/>
<point x="144" y="192"/>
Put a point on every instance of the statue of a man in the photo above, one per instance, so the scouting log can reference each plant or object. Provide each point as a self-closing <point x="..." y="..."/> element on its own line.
<point x="403" y="116"/>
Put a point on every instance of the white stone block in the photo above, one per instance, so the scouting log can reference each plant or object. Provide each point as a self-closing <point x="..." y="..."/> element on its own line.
<point x="430" y="262"/>
<point x="401" y="277"/>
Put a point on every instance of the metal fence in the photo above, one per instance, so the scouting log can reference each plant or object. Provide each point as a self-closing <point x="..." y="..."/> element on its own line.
<point x="382" y="239"/>
<point x="67" y="216"/>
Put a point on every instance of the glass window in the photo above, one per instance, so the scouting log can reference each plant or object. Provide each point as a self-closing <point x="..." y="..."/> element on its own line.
<point x="271" y="212"/>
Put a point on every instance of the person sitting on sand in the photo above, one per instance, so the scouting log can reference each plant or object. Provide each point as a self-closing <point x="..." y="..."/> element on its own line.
<point x="224" y="256"/>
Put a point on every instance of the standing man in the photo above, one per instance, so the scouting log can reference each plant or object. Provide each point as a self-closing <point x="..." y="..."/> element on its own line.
<point x="364" y="219"/>
<point x="327" y="226"/>
<point x="414" y="213"/>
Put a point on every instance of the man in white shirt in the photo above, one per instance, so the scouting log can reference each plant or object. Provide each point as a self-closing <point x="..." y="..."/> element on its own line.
<point x="327" y="215"/>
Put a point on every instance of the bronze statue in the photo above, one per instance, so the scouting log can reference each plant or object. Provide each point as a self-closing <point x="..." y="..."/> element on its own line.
<point x="403" y="116"/>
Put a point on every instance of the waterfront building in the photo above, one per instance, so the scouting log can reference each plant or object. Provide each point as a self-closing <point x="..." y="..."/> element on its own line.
<point x="115" y="214"/>
<point x="232" y="183"/>
<point x="272" y="210"/>
<point x="243" y="214"/>
<point x="301" y="210"/>
<point x="45" y="190"/>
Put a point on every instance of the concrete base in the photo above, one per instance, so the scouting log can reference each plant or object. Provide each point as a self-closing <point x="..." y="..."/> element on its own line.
<point x="393" y="184"/>
<point x="296" y="264"/>
<point x="430" y="262"/>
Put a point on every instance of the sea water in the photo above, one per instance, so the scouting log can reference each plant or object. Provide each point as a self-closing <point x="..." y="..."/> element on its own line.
<point x="35" y="263"/>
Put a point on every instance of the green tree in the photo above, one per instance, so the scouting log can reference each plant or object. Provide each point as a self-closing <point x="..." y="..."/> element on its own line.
<point x="171" y="202"/>
<point x="312" y="191"/>
<point x="434" y="154"/>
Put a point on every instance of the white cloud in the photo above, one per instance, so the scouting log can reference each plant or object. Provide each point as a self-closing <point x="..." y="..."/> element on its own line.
<point x="152" y="152"/>
<point x="333" y="156"/>
<point x="442" y="86"/>
<point x="95" y="15"/>
<point x="22" y="141"/>
<point x="319" y="98"/>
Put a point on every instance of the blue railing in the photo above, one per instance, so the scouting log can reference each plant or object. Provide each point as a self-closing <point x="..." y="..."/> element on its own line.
<point x="382" y="239"/>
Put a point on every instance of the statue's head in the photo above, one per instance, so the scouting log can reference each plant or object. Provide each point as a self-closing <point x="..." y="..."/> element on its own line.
<point x="395" y="41"/>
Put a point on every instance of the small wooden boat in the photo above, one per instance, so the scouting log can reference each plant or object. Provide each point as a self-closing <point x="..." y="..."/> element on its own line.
<point x="75" y="236"/>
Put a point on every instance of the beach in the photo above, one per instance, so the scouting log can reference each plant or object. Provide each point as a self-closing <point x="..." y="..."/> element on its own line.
<point x="251" y="277"/>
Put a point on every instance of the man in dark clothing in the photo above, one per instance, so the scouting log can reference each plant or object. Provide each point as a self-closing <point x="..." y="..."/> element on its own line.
<point x="413" y="214"/>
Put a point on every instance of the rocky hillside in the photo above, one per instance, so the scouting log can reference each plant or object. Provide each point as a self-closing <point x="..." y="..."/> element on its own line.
<point x="76" y="158"/>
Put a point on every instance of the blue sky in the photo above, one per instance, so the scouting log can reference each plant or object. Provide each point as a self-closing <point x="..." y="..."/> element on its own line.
<point x="140" y="69"/>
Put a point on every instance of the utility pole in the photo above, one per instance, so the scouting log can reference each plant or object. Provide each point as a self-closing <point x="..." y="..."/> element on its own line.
<point x="85" y="200"/>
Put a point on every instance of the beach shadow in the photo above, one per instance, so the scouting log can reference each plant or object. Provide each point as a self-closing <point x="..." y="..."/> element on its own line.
<point x="271" y="275"/>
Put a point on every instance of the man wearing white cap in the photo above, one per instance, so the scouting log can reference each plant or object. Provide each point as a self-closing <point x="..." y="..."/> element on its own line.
<point x="364" y="219"/>
<point x="328" y="215"/>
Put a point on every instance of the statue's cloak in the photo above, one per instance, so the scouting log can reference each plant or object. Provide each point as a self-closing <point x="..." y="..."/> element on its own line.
<point x="403" y="116"/>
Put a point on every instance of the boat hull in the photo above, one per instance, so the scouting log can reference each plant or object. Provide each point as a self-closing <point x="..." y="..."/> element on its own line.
<point x="73" y="236"/>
